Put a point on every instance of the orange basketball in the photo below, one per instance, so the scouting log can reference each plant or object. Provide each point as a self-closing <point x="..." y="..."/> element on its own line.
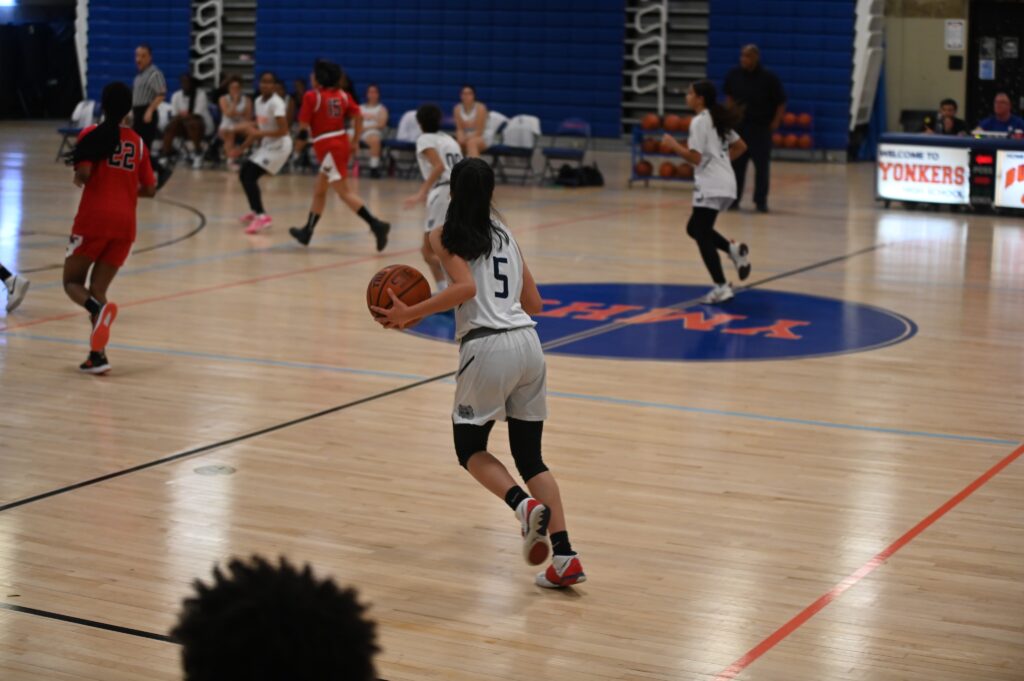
<point x="644" y="169"/>
<point x="667" y="169"/>
<point x="805" y="141"/>
<point x="684" y="125"/>
<point x="789" y="119"/>
<point x="408" y="284"/>
<point x="804" y="120"/>
<point x="650" y="145"/>
<point x="664" y="147"/>
<point x="789" y="140"/>
<point x="777" y="139"/>
<point x="650" y="122"/>
<point x="684" y="170"/>
<point x="673" y="122"/>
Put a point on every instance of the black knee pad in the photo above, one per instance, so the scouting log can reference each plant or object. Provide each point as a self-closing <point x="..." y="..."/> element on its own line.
<point x="470" y="439"/>
<point x="524" y="439"/>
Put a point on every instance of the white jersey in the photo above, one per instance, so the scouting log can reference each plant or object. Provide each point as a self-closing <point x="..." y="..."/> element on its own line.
<point x="370" y="118"/>
<point x="714" y="177"/>
<point x="446" y="147"/>
<point x="266" y="118"/>
<point x="499" y="286"/>
<point x="468" y="117"/>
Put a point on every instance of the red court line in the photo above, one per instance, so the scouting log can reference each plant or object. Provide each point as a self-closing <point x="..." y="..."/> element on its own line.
<point x="327" y="266"/>
<point x="863" y="571"/>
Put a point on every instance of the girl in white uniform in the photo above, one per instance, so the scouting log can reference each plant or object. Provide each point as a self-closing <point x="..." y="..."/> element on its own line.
<point x="501" y="373"/>
<point x="470" y="123"/>
<point x="236" y="115"/>
<point x="437" y="154"/>
<point x="711" y="145"/>
<point x="274" y="150"/>
<point x="375" y="119"/>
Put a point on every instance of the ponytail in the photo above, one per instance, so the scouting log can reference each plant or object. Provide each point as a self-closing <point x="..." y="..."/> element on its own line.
<point x="725" y="119"/>
<point x="102" y="141"/>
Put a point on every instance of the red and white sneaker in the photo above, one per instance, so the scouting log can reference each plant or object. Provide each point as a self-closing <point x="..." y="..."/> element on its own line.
<point x="564" y="571"/>
<point x="534" y="517"/>
<point x="247" y="218"/>
<point x="258" y="224"/>
<point x="101" y="327"/>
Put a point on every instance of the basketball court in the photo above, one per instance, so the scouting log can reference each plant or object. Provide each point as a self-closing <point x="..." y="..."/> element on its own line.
<point x="835" y="493"/>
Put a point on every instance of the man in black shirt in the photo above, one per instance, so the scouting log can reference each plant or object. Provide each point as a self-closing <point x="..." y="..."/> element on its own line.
<point x="948" y="123"/>
<point x="759" y="92"/>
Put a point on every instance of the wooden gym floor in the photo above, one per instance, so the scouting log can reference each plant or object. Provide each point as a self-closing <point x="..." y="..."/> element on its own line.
<point x="847" y="517"/>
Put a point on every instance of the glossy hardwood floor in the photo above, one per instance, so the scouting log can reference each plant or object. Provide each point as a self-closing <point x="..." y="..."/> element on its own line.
<point x="711" y="502"/>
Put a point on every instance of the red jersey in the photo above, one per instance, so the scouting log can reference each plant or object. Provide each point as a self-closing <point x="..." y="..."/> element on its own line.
<point x="325" y="110"/>
<point x="107" y="207"/>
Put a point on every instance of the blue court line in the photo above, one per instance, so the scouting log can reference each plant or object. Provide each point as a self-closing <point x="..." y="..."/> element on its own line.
<point x="258" y="361"/>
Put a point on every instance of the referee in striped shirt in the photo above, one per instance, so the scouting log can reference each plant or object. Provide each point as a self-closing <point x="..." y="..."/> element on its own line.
<point x="148" y="91"/>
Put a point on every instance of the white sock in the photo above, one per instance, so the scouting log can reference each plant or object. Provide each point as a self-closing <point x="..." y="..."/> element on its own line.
<point x="374" y="161"/>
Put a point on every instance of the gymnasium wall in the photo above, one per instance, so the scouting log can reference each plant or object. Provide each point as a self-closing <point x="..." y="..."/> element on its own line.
<point x="117" y="27"/>
<point x="808" y="44"/>
<point x="917" y="74"/>
<point x="554" y="59"/>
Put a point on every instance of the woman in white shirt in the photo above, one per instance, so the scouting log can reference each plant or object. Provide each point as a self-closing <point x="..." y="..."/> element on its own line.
<point x="711" y="146"/>
<point x="236" y="117"/>
<point x="191" y="119"/>
<point x="375" y="120"/>
<point x="470" y="123"/>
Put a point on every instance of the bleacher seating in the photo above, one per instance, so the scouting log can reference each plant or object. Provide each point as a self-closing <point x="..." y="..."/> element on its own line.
<point x="550" y="59"/>
<point x="117" y="27"/>
<point x="809" y="45"/>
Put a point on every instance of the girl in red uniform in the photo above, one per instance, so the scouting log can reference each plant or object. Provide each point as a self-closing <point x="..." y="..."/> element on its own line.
<point x="111" y="165"/>
<point x="324" y="111"/>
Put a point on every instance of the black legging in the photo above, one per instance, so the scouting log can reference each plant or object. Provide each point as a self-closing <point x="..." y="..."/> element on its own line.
<point x="702" y="228"/>
<point x="250" y="176"/>
<point x="147" y="131"/>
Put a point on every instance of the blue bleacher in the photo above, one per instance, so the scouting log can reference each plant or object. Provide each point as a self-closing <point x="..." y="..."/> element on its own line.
<point x="554" y="59"/>
<point x="809" y="45"/>
<point x="116" y="27"/>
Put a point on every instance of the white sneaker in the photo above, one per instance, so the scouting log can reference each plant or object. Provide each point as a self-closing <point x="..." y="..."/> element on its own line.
<point x="564" y="571"/>
<point x="738" y="255"/>
<point x="16" y="290"/>
<point x="718" y="294"/>
<point x="534" y="517"/>
<point x="197" y="162"/>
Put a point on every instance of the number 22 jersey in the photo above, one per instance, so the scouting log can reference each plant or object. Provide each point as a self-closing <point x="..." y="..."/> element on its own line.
<point x="109" y="199"/>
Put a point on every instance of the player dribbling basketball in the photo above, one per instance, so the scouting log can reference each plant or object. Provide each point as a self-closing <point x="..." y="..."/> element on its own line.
<point x="111" y="165"/>
<point x="437" y="154"/>
<point x="502" y="374"/>
<point x="324" y="112"/>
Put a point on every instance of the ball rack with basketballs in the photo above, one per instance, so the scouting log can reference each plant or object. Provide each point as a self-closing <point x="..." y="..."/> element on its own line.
<point x="794" y="140"/>
<point x="646" y="144"/>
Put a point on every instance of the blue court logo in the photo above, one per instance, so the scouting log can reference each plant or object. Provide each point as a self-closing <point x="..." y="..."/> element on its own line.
<point x="651" y="321"/>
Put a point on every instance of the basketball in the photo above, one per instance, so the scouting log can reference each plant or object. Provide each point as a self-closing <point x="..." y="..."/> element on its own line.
<point x="664" y="147"/>
<point x="650" y="122"/>
<point x="644" y="169"/>
<point x="684" y="124"/>
<point x="789" y="141"/>
<point x="777" y="139"/>
<point x="408" y="284"/>
<point x="684" y="170"/>
<point x="667" y="169"/>
<point x="650" y="145"/>
<point x="805" y="141"/>
<point x="804" y="120"/>
<point x="789" y="119"/>
<point x="673" y="122"/>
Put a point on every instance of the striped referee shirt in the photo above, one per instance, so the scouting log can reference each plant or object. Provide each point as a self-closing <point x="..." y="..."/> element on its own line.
<point x="148" y="84"/>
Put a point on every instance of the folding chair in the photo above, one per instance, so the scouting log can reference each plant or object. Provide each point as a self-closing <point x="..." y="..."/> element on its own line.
<point x="569" y="145"/>
<point x="519" y="138"/>
<point x="401" y="149"/>
<point x="85" y="114"/>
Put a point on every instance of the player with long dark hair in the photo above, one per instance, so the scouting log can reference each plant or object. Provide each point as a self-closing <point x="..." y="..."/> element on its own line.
<point x="502" y="373"/>
<point x="111" y="165"/>
<point x="325" y="110"/>
<point x="711" y="145"/>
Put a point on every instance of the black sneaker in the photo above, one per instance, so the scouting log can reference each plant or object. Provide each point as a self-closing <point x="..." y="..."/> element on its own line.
<point x="96" y="363"/>
<point x="375" y="173"/>
<point x="163" y="173"/>
<point x="301" y="234"/>
<point x="762" y="208"/>
<point x="380" y="230"/>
